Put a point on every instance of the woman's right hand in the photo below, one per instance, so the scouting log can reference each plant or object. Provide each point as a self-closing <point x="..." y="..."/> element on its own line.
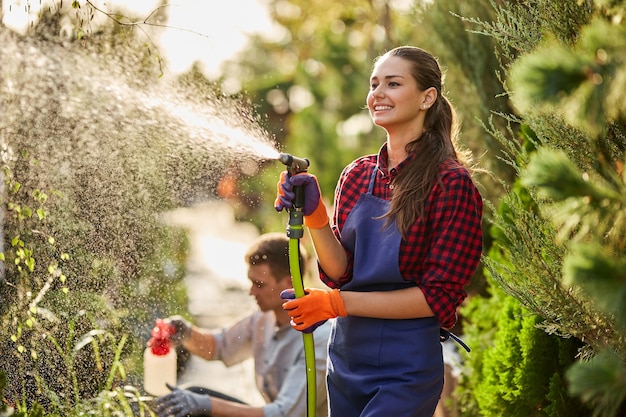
<point x="284" y="193"/>
<point x="314" y="210"/>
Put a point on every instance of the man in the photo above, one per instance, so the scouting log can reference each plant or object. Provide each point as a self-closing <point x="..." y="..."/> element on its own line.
<point x="266" y="335"/>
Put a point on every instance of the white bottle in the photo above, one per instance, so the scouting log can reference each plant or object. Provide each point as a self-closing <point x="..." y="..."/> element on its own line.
<point x="159" y="361"/>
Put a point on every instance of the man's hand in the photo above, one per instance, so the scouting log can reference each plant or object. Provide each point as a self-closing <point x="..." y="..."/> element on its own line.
<point x="182" y="329"/>
<point x="182" y="403"/>
<point x="315" y="306"/>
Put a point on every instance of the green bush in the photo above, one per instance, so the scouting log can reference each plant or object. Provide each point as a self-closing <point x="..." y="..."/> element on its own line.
<point x="88" y="263"/>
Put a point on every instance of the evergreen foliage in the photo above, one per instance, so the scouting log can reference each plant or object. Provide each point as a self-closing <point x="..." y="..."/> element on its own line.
<point x="521" y="374"/>
<point x="559" y="240"/>
<point x="519" y="366"/>
<point x="484" y="46"/>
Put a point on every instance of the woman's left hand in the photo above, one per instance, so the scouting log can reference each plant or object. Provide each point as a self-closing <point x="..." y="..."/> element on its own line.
<point x="315" y="306"/>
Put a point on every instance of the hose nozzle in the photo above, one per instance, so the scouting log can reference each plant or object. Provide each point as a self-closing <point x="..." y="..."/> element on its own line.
<point x="294" y="164"/>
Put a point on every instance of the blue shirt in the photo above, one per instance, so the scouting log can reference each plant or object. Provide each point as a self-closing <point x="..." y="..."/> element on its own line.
<point x="279" y="362"/>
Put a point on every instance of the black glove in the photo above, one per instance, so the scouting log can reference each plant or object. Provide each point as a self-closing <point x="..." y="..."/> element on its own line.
<point x="182" y="329"/>
<point x="182" y="403"/>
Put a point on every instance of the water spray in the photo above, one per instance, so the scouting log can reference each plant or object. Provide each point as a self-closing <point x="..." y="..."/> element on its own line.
<point x="295" y="230"/>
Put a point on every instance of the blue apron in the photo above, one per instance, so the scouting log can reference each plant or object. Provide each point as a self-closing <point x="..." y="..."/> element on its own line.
<point x="380" y="367"/>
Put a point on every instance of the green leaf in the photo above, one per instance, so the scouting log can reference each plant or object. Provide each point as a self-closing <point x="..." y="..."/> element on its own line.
<point x="601" y="382"/>
<point x="88" y="338"/>
<point x="547" y="75"/>
<point x="558" y="178"/>
<point x="601" y="275"/>
<point x="30" y="263"/>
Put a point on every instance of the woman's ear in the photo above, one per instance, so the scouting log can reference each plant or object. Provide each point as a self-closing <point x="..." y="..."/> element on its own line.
<point x="430" y="96"/>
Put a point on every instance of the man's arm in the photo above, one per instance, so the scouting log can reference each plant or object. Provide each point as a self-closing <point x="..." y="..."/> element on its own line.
<point x="201" y="342"/>
<point x="230" y="345"/>
<point x="181" y="402"/>
<point x="224" y="408"/>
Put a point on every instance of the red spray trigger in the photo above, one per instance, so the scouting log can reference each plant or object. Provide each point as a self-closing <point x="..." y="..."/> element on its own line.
<point x="159" y="342"/>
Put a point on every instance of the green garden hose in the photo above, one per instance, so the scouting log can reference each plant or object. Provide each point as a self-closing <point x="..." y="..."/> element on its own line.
<point x="295" y="231"/>
<point x="307" y="338"/>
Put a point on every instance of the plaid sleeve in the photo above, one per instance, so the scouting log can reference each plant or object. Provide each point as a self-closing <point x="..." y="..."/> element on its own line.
<point x="454" y="216"/>
<point x="352" y="183"/>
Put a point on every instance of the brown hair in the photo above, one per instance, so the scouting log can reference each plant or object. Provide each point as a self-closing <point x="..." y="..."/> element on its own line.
<point x="435" y="145"/>
<point x="273" y="249"/>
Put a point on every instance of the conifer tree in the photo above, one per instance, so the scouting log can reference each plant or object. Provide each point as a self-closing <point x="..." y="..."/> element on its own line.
<point x="561" y="243"/>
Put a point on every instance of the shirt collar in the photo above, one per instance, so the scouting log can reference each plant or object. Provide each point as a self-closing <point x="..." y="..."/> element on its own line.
<point x="383" y="157"/>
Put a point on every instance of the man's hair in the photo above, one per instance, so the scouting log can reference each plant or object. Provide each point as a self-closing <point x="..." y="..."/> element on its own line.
<point x="273" y="249"/>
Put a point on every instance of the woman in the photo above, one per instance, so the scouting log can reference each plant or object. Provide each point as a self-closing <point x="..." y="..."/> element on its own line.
<point x="405" y="242"/>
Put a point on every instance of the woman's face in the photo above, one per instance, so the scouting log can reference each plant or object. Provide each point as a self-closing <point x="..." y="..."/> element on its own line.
<point x="394" y="99"/>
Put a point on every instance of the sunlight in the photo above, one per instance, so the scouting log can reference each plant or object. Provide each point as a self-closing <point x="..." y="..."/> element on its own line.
<point x="197" y="31"/>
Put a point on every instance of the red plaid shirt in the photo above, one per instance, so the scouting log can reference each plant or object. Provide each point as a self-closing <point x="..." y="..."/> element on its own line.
<point x="442" y="250"/>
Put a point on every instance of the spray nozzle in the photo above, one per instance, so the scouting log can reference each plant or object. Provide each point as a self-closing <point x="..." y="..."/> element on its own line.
<point x="294" y="164"/>
<point x="159" y="342"/>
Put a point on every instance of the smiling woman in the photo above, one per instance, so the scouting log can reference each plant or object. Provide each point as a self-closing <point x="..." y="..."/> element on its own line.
<point x="404" y="241"/>
<point x="207" y="33"/>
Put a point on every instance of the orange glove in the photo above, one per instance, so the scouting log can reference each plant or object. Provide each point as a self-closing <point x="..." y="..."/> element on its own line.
<point x="315" y="306"/>
<point x="289" y="294"/>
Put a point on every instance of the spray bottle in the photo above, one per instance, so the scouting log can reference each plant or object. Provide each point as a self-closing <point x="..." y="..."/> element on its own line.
<point x="159" y="360"/>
